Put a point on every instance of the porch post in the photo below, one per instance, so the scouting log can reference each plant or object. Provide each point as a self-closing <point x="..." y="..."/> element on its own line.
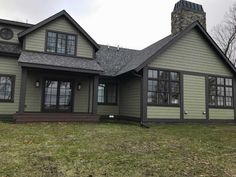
<point x="143" y="105"/>
<point x="95" y="94"/>
<point x="24" y="74"/>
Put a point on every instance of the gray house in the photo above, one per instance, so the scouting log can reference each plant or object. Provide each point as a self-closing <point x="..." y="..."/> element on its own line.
<point x="55" y="71"/>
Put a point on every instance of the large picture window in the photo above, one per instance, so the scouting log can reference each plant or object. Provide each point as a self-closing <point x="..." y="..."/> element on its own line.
<point x="220" y="92"/>
<point x="61" y="43"/>
<point x="6" y="88"/>
<point x="107" y="93"/>
<point x="163" y="87"/>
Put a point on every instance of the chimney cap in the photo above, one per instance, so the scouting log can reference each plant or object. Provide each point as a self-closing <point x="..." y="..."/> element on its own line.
<point x="187" y="5"/>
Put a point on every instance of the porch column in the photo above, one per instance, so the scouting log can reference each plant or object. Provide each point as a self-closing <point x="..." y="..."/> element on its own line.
<point x="143" y="105"/>
<point x="95" y="94"/>
<point x="24" y="74"/>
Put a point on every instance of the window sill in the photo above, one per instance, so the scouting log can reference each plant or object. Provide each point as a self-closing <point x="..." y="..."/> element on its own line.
<point x="6" y="101"/>
<point x="162" y="105"/>
<point x="108" y="104"/>
<point x="220" y="107"/>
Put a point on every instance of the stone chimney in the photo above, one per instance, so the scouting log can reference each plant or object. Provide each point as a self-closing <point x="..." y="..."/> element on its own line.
<point x="184" y="14"/>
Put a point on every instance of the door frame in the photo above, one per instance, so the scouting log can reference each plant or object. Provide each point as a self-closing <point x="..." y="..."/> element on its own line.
<point x="43" y="94"/>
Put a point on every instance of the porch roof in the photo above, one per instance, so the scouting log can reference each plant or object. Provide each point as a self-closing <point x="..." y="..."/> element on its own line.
<point x="56" y="62"/>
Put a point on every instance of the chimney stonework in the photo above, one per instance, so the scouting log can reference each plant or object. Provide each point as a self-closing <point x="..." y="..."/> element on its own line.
<point x="184" y="14"/>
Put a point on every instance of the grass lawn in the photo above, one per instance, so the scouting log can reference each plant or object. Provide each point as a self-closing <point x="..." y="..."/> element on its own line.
<point x="107" y="149"/>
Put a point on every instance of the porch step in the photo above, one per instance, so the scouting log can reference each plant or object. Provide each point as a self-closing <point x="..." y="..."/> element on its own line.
<point x="55" y="117"/>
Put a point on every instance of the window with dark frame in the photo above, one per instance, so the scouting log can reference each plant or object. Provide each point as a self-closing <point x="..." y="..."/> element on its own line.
<point x="107" y="93"/>
<point x="6" y="88"/>
<point x="220" y="92"/>
<point x="61" y="43"/>
<point x="163" y="87"/>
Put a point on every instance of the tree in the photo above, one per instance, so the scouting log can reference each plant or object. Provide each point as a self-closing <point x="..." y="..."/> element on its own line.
<point x="225" y="34"/>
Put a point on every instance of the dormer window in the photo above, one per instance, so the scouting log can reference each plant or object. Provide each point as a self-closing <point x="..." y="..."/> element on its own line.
<point x="61" y="43"/>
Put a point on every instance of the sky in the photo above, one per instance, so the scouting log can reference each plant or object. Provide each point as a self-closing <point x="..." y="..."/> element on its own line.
<point x="128" y="23"/>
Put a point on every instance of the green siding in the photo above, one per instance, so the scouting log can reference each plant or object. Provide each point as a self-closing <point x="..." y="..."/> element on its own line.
<point x="10" y="66"/>
<point x="130" y="97"/>
<point x="160" y="112"/>
<point x="221" y="114"/>
<point x="194" y="97"/>
<point x="15" y="32"/>
<point x="81" y="100"/>
<point x="33" y="94"/>
<point x="108" y="110"/>
<point x="192" y="53"/>
<point x="35" y="41"/>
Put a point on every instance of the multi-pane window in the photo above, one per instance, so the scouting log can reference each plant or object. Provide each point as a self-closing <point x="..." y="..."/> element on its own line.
<point x="107" y="93"/>
<point x="6" y="88"/>
<point x="220" y="92"/>
<point x="163" y="87"/>
<point x="61" y="43"/>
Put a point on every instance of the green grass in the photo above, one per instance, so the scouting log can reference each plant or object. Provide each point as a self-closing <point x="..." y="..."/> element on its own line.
<point x="106" y="149"/>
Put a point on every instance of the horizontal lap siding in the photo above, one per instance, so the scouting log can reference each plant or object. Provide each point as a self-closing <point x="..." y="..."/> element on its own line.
<point x="15" y="32"/>
<point x="35" y="41"/>
<point x="10" y="66"/>
<point x="108" y="110"/>
<point x="159" y="112"/>
<point x="81" y="100"/>
<point x="221" y="114"/>
<point x="33" y="94"/>
<point x="194" y="97"/>
<point x="192" y="53"/>
<point x="130" y="94"/>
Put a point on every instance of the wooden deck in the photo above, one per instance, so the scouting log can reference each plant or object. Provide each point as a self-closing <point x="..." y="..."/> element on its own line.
<point x="55" y="117"/>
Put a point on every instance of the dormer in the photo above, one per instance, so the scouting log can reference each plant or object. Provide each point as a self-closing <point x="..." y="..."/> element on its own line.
<point x="59" y="34"/>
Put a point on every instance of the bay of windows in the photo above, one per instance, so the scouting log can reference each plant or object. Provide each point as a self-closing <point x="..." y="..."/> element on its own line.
<point x="163" y="87"/>
<point x="61" y="43"/>
<point x="220" y="92"/>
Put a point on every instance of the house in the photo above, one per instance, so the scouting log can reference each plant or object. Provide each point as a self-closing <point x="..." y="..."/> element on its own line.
<point x="55" y="71"/>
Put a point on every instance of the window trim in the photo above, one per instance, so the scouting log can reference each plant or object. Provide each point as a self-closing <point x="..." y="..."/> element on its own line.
<point x="105" y="93"/>
<point x="13" y="79"/>
<point x="220" y="85"/>
<point x="65" y="54"/>
<point x="43" y="95"/>
<point x="169" y="81"/>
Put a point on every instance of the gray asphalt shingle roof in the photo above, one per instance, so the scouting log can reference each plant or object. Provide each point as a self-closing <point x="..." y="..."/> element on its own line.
<point x="10" y="48"/>
<point x="112" y="60"/>
<point x="61" y="62"/>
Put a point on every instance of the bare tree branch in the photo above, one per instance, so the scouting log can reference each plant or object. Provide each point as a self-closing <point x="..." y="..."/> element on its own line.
<point x="225" y="34"/>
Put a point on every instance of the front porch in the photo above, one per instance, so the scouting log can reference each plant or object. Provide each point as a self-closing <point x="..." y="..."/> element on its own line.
<point x="48" y="95"/>
<point x="55" y="117"/>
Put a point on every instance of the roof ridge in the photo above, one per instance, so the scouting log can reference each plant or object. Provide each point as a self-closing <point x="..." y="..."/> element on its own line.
<point x="17" y="23"/>
<point x="119" y="47"/>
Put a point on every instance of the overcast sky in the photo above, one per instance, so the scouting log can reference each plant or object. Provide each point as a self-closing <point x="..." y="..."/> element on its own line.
<point x="128" y="23"/>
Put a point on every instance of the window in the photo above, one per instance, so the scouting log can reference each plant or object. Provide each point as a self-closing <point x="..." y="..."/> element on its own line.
<point x="61" y="43"/>
<point x="220" y="92"/>
<point x="57" y="96"/>
<point x="107" y="93"/>
<point x="163" y="87"/>
<point x="6" y="88"/>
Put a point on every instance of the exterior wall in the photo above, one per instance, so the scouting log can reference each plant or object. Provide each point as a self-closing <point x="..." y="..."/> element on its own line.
<point x="81" y="100"/>
<point x="33" y="98"/>
<point x="192" y="53"/>
<point x="221" y="114"/>
<point x="15" y="30"/>
<point x="34" y="95"/>
<point x="130" y="94"/>
<point x="10" y="66"/>
<point x="194" y="97"/>
<point x="108" y="110"/>
<point x="35" y="41"/>
<point x="161" y="112"/>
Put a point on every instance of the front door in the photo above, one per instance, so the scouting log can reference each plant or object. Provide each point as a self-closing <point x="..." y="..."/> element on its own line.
<point x="194" y="97"/>
<point x="57" y="96"/>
